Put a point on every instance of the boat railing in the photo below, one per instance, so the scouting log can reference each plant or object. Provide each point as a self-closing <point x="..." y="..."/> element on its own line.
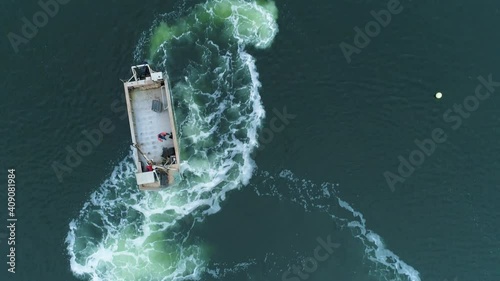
<point x="164" y="97"/>
<point x="170" y="96"/>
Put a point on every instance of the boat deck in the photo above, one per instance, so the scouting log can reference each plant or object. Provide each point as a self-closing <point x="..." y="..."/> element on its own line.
<point x="148" y="123"/>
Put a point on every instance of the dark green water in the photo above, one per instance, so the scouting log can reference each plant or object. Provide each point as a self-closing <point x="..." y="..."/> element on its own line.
<point x="352" y="121"/>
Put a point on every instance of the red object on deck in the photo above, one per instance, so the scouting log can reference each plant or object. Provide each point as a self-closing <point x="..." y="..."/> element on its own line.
<point x="162" y="136"/>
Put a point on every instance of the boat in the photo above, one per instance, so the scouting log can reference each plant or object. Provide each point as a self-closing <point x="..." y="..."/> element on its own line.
<point x="153" y="129"/>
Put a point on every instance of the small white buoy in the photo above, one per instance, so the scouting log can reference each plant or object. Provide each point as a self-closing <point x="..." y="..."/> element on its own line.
<point x="439" y="95"/>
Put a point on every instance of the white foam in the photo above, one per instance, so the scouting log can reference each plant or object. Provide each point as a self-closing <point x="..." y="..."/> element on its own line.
<point x="313" y="197"/>
<point x="124" y="234"/>
<point x="221" y="270"/>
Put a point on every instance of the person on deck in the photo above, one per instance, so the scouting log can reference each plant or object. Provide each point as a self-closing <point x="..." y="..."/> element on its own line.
<point x="163" y="136"/>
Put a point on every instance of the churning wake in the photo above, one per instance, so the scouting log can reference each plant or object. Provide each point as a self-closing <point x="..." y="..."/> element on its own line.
<point x="382" y="264"/>
<point x="122" y="233"/>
